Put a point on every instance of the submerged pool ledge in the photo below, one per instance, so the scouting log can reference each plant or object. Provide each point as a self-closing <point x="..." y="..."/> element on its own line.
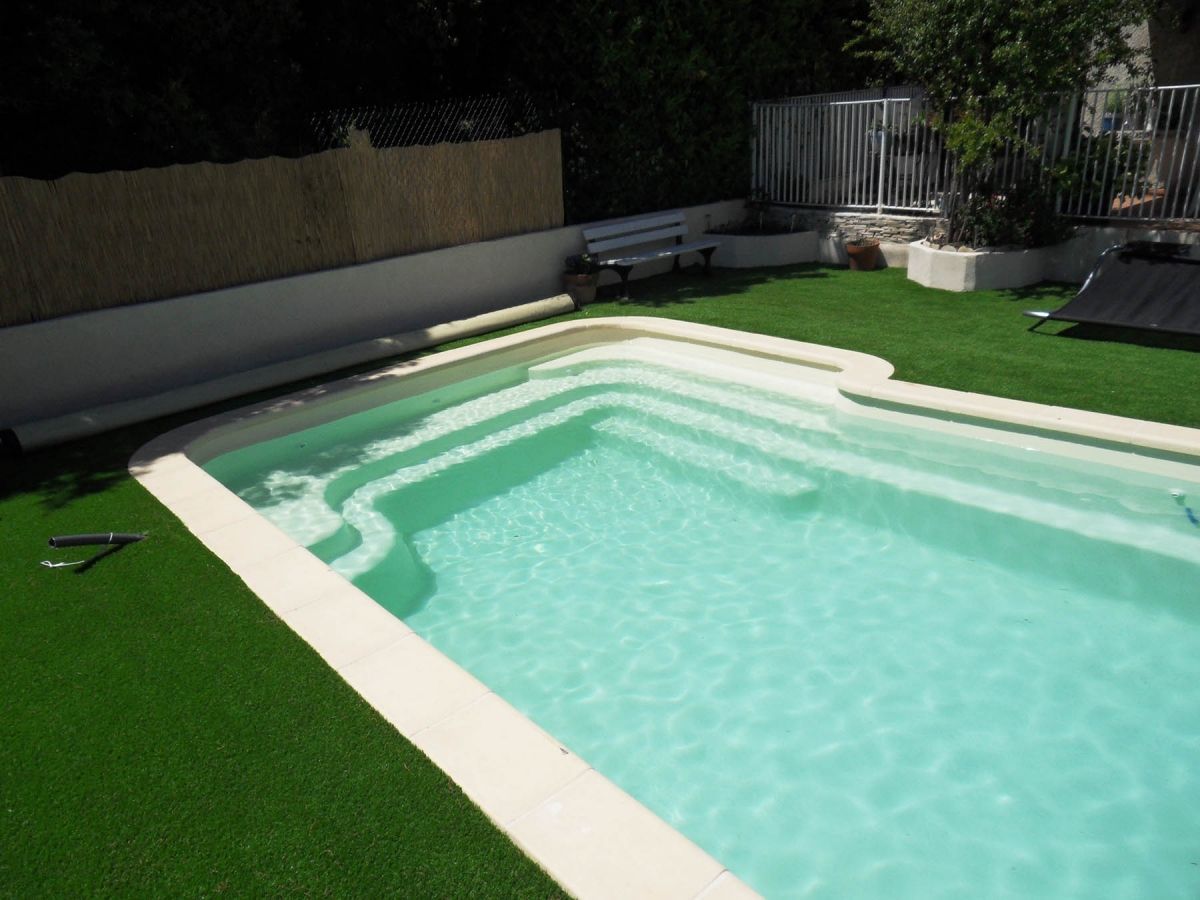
<point x="591" y="836"/>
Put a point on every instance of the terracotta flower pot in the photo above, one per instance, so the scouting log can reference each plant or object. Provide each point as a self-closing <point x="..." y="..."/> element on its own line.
<point x="582" y="288"/>
<point x="864" y="255"/>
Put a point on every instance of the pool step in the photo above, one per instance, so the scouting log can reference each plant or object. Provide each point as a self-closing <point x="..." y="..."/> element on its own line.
<point x="683" y="386"/>
<point x="377" y="534"/>
<point x="714" y="364"/>
<point x="752" y="474"/>
<point x="694" y="414"/>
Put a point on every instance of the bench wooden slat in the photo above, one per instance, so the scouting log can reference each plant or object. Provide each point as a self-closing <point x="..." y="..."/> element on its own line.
<point x="661" y="253"/>
<point x="633" y="226"/>
<point x="641" y="237"/>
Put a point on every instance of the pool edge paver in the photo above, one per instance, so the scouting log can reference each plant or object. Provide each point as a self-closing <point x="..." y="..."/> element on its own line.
<point x="345" y="626"/>
<point x="210" y="509"/>
<point x="291" y="580"/>
<point x="501" y="759"/>
<point x="597" y="841"/>
<point x="386" y="680"/>
<point x="727" y="886"/>
<point x="246" y="542"/>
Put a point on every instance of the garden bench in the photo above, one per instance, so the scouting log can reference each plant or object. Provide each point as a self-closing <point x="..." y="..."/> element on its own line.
<point x="602" y="240"/>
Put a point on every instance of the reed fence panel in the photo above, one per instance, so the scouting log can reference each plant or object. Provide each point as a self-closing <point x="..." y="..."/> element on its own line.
<point x="86" y="242"/>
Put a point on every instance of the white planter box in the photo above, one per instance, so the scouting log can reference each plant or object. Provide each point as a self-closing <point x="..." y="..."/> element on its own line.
<point x="996" y="270"/>
<point x="747" y="251"/>
<point x="950" y="270"/>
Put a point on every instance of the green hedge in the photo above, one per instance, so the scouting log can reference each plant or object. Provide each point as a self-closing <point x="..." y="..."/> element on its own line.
<point x="652" y="97"/>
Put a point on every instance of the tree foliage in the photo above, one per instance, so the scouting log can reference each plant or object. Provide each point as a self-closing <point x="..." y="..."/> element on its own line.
<point x="993" y="64"/>
<point x="997" y="60"/>
<point x="652" y="97"/>
<point x="97" y="84"/>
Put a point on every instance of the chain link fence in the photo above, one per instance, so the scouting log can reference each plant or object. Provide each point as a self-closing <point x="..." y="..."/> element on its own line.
<point x="437" y="122"/>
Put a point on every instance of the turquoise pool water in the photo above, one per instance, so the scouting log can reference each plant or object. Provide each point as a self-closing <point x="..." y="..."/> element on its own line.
<point x="848" y="658"/>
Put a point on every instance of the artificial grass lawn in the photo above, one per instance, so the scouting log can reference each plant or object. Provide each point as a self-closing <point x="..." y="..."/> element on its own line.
<point x="164" y="733"/>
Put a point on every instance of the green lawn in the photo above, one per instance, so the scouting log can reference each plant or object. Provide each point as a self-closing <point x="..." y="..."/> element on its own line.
<point x="163" y="733"/>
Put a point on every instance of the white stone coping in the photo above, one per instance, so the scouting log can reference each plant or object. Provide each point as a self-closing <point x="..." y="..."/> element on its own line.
<point x="595" y="839"/>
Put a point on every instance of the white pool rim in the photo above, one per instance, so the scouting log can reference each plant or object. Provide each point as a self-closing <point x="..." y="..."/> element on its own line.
<point x="592" y="837"/>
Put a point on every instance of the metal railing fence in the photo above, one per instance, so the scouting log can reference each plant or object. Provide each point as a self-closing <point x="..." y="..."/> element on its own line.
<point x="1122" y="153"/>
<point x="852" y="154"/>
<point x="1132" y="153"/>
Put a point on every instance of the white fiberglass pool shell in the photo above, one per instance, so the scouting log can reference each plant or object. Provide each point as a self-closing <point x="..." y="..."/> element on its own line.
<point x="593" y="838"/>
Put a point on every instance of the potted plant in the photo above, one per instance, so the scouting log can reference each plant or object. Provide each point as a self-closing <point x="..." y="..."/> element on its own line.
<point x="580" y="273"/>
<point x="863" y="253"/>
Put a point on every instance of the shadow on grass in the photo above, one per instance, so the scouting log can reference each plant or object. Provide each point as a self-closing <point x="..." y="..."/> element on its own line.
<point x="61" y="474"/>
<point x="1139" y="336"/>
<point x="87" y="564"/>
<point x="1051" y="294"/>
<point x="691" y="285"/>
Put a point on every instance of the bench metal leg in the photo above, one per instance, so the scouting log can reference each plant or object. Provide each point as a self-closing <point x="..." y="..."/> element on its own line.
<point x="624" y="271"/>
<point x="707" y="254"/>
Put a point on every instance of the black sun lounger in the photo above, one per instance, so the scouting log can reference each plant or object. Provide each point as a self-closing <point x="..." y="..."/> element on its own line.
<point x="1140" y="285"/>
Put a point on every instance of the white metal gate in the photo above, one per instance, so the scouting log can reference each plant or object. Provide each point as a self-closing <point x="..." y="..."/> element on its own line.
<point x="876" y="154"/>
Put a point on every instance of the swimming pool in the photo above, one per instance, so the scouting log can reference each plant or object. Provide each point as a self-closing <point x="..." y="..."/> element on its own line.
<point x="845" y="655"/>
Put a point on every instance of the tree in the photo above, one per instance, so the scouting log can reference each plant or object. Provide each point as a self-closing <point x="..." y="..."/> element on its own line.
<point x="130" y="83"/>
<point x="992" y="64"/>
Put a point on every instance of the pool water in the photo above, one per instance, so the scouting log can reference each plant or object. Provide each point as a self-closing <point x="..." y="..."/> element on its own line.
<point x="847" y="657"/>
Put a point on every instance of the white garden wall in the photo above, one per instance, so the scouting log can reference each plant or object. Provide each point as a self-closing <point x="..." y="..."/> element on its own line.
<point x="61" y="370"/>
<point x="79" y="374"/>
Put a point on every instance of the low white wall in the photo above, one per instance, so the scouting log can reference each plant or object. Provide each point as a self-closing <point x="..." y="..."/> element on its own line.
<point x="94" y="419"/>
<point x="952" y="270"/>
<point x="739" y="251"/>
<point x="76" y="363"/>
<point x="1071" y="261"/>
<point x="65" y="367"/>
<point x="1075" y="259"/>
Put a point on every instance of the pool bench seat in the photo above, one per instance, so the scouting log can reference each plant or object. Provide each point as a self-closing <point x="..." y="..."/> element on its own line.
<point x="602" y="240"/>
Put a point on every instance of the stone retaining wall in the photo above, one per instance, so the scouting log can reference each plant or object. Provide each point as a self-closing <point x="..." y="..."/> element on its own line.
<point x="890" y="229"/>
